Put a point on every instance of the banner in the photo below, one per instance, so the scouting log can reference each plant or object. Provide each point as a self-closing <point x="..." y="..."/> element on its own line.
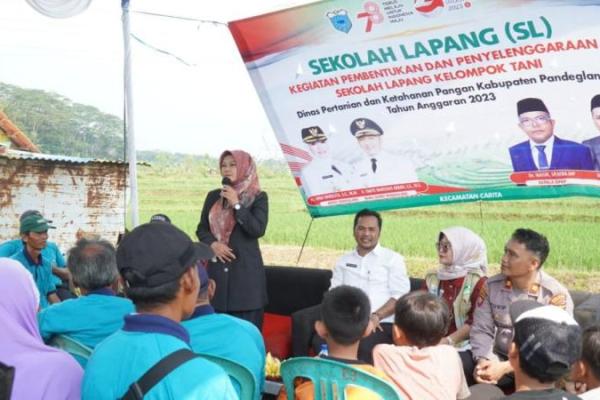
<point x="397" y="103"/>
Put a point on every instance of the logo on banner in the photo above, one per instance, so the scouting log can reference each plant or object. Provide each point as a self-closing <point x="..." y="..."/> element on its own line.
<point x="372" y="13"/>
<point x="340" y="20"/>
<point x="429" y="7"/>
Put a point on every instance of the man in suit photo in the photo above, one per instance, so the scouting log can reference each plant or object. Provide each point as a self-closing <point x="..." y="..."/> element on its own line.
<point x="594" y="143"/>
<point x="544" y="150"/>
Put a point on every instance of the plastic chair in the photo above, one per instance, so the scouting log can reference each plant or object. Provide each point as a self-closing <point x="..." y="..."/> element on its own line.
<point x="78" y="350"/>
<point x="330" y="379"/>
<point x="239" y="374"/>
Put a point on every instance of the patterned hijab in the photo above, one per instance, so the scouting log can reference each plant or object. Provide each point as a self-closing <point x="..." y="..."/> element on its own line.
<point x="221" y="219"/>
<point x="469" y="254"/>
<point x="40" y="371"/>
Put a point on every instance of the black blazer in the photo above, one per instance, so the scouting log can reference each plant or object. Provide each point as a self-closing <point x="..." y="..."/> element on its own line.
<point x="241" y="284"/>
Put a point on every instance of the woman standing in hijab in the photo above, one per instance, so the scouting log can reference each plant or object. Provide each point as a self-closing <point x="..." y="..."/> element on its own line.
<point x="458" y="280"/>
<point x="233" y="218"/>
<point x="40" y="371"/>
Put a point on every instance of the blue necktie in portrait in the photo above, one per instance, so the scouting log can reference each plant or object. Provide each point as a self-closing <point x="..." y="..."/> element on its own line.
<point x="542" y="159"/>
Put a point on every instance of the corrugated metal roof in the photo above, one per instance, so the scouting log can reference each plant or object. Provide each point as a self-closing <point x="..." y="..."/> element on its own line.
<point x="25" y="155"/>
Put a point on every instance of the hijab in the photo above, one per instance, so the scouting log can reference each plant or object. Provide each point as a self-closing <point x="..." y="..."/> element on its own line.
<point x="469" y="254"/>
<point x="221" y="219"/>
<point x="41" y="372"/>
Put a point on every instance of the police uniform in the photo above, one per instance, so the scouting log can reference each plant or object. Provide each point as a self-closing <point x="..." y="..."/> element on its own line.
<point x="323" y="175"/>
<point x="492" y="330"/>
<point x="383" y="168"/>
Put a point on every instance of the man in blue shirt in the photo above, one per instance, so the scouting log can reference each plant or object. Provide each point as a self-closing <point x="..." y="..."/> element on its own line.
<point x="211" y="333"/>
<point x="34" y="235"/>
<point x="98" y="313"/>
<point x="50" y="253"/>
<point x="158" y="263"/>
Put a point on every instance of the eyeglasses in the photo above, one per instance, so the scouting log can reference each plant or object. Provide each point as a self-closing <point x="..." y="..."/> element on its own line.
<point x="443" y="246"/>
<point x="540" y="119"/>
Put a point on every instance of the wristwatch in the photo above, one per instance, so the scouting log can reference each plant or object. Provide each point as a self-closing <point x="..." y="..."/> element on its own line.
<point x="237" y="206"/>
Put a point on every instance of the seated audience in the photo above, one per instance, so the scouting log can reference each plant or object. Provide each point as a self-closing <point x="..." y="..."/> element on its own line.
<point x="344" y="321"/>
<point x="521" y="277"/>
<point x="34" y="235"/>
<point x="459" y="278"/>
<point x="212" y="333"/>
<point x="98" y="313"/>
<point x="546" y="343"/>
<point x="586" y="371"/>
<point x="419" y="366"/>
<point x="158" y="264"/>
<point x="50" y="253"/>
<point x="378" y="271"/>
<point x="40" y="371"/>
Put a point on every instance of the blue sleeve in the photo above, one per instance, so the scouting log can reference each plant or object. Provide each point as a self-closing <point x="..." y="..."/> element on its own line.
<point x="10" y="247"/>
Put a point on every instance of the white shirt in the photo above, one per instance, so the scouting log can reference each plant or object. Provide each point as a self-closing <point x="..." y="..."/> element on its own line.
<point x="381" y="274"/>
<point x="322" y="176"/>
<point x="391" y="169"/>
<point x="593" y="394"/>
<point x="547" y="150"/>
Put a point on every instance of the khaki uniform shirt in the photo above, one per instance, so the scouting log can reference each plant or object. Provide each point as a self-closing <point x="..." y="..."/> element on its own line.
<point x="492" y="330"/>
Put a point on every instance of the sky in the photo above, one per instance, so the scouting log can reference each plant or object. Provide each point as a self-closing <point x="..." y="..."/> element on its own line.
<point x="197" y="100"/>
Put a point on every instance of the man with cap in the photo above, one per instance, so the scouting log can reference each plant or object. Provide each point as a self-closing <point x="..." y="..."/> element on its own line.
<point x="322" y="174"/>
<point x="546" y="343"/>
<point x="544" y="150"/>
<point x="594" y="143"/>
<point x="34" y="235"/>
<point x="378" y="167"/>
<point x="158" y="263"/>
<point x="50" y="253"/>
<point x="211" y="333"/>
<point x="521" y="277"/>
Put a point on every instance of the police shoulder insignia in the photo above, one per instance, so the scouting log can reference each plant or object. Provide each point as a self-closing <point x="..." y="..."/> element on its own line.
<point x="560" y="300"/>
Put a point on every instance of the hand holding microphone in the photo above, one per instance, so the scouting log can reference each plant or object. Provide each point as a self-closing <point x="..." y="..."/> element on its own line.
<point x="228" y="193"/>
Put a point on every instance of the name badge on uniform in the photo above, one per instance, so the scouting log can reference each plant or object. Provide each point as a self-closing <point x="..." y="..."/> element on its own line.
<point x="349" y="265"/>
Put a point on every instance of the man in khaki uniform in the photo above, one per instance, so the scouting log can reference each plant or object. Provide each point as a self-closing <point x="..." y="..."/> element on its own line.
<point x="521" y="278"/>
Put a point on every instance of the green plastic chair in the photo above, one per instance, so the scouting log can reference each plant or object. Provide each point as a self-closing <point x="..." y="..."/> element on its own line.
<point x="238" y="374"/>
<point x="330" y="379"/>
<point x="78" y="350"/>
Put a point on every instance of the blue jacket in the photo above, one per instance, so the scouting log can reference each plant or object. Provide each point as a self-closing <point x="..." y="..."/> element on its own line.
<point x="212" y="334"/>
<point x="42" y="274"/>
<point x="88" y="319"/>
<point x="594" y="145"/>
<point x="565" y="155"/>
<point x="122" y="359"/>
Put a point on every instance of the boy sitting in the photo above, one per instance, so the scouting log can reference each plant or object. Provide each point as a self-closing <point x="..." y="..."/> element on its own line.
<point x="419" y="366"/>
<point x="586" y="371"/>
<point x="345" y="312"/>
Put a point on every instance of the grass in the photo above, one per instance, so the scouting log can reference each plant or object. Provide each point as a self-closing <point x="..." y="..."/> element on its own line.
<point x="572" y="225"/>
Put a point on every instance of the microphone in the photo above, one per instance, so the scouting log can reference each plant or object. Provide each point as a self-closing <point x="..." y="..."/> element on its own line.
<point x="225" y="182"/>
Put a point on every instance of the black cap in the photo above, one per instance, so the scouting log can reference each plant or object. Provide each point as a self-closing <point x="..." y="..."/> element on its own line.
<point x="365" y="127"/>
<point x="313" y="134"/>
<point x="160" y="218"/>
<point x="156" y="253"/>
<point x="548" y="337"/>
<point x="531" y="104"/>
<point x="595" y="101"/>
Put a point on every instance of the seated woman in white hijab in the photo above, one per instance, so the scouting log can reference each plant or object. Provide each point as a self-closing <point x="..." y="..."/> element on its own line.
<point x="459" y="278"/>
<point x="40" y="371"/>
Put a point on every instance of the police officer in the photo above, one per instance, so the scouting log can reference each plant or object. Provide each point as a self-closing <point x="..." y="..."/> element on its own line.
<point x="378" y="167"/>
<point x="323" y="174"/>
<point x="521" y="278"/>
